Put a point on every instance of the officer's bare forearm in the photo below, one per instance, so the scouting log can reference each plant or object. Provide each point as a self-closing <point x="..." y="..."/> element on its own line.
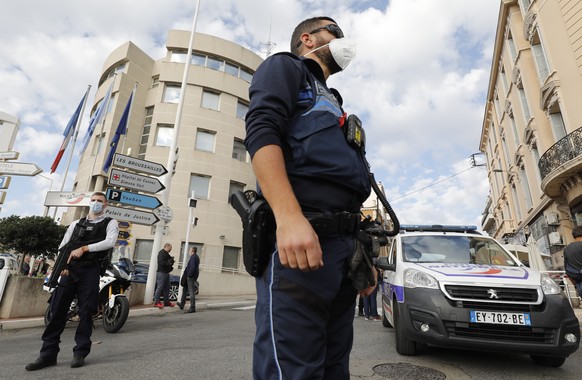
<point x="269" y="168"/>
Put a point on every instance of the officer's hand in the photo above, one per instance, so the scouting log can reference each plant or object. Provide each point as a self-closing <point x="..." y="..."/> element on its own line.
<point x="65" y="272"/>
<point x="75" y="254"/>
<point x="366" y="292"/>
<point x="298" y="243"/>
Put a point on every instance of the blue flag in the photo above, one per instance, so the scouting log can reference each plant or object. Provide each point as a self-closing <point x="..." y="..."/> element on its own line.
<point x="121" y="130"/>
<point x="96" y="119"/>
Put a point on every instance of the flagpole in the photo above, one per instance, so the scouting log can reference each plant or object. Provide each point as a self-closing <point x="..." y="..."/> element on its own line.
<point x="100" y="134"/>
<point x="167" y="179"/>
<point x="129" y="116"/>
<point x="77" y="127"/>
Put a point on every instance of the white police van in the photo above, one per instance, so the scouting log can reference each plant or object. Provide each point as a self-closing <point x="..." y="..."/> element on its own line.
<point x="450" y="286"/>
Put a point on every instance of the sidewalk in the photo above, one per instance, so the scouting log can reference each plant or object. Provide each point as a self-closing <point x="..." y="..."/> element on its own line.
<point x="202" y="303"/>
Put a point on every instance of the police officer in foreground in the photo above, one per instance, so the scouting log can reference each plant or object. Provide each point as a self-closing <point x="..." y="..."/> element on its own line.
<point x="98" y="235"/>
<point x="306" y="169"/>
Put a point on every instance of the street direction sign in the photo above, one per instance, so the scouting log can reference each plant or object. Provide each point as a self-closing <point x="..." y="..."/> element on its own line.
<point x="123" y="235"/>
<point x="142" y="166"/>
<point x="19" y="168"/>
<point x="134" y="216"/>
<point x="135" y="181"/>
<point x="133" y="199"/>
<point x="165" y="213"/>
<point x="10" y="155"/>
<point x="123" y="224"/>
<point x="4" y="181"/>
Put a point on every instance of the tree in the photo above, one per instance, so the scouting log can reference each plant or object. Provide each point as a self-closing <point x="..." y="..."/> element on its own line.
<point x="32" y="235"/>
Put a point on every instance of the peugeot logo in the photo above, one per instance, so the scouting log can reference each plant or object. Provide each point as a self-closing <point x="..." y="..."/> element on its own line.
<point x="492" y="294"/>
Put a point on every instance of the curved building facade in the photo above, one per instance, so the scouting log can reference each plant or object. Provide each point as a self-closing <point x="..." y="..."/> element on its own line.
<point x="212" y="160"/>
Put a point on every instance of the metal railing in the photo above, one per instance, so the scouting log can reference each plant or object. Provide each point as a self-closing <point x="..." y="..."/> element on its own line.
<point x="566" y="149"/>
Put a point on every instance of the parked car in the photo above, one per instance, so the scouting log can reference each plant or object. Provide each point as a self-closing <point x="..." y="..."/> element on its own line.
<point x="140" y="275"/>
<point x="9" y="263"/>
<point x="450" y="286"/>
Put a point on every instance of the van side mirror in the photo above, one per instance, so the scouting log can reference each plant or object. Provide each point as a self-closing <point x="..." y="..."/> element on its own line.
<point x="383" y="263"/>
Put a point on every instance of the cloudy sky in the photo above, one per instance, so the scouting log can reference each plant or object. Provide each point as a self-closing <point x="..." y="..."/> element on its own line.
<point x="418" y="82"/>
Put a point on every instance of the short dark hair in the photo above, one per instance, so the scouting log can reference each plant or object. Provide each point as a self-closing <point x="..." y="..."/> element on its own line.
<point x="98" y="193"/>
<point x="577" y="232"/>
<point x="306" y="26"/>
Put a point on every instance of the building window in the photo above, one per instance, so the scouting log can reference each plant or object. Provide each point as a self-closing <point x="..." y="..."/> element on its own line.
<point x="504" y="78"/>
<point x="143" y="250"/>
<point x="241" y="110"/>
<point x="505" y="151"/>
<point x="178" y="56"/>
<point x="210" y="100"/>
<point x="205" y="140"/>
<point x="230" y="257"/>
<point x="111" y="103"/>
<point x="198" y="60"/>
<point x="514" y="128"/>
<point x="246" y="75"/>
<point x="231" y="69"/>
<point x="164" y="135"/>
<point x="536" y="158"/>
<point x="198" y="252"/>
<point x="516" y="204"/>
<point x="526" y="191"/>
<point x="172" y="93"/>
<point x="234" y="187"/>
<point x="239" y="151"/>
<point x="526" y="113"/>
<point x="540" y="58"/>
<point x="155" y="81"/>
<point x="557" y="122"/>
<point x="215" y="64"/>
<point x="511" y="46"/>
<point x="200" y="185"/>
<point x="145" y="135"/>
<point x="116" y="70"/>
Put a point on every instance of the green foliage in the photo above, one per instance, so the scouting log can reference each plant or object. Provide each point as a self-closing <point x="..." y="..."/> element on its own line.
<point x="33" y="235"/>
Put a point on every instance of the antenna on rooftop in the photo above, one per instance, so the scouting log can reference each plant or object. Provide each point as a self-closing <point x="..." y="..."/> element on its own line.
<point x="267" y="47"/>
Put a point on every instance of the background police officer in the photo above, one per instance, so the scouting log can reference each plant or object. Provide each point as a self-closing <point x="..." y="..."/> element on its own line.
<point x="81" y="279"/>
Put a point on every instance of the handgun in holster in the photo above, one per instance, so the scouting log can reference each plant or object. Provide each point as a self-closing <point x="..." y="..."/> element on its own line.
<point x="258" y="230"/>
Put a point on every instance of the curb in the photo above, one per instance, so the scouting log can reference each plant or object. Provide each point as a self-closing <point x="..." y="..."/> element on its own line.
<point x="135" y="311"/>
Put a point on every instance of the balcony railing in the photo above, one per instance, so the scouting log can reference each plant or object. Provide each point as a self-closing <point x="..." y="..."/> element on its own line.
<point x="561" y="152"/>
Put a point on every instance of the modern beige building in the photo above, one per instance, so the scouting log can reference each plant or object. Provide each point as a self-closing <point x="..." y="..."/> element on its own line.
<point x="531" y="132"/>
<point x="212" y="160"/>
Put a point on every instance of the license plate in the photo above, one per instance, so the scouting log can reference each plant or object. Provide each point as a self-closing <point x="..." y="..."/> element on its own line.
<point x="500" y="318"/>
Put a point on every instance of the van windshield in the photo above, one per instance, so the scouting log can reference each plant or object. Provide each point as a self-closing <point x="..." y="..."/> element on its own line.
<point x="454" y="249"/>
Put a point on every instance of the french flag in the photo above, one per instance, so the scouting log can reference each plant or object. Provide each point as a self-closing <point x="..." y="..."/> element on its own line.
<point x="68" y="133"/>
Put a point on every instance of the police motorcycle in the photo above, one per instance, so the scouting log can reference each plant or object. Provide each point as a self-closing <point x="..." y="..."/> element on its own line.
<point x="113" y="306"/>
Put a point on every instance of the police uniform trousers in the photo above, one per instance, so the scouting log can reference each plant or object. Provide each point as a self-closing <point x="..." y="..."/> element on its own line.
<point x="304" y="320"/>
<point x="82" y="281"/>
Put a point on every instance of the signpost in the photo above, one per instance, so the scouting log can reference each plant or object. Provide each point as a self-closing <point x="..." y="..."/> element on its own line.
<point x="135" y="181"/>
<point x="134" y="216"/>
<point x="165" y="213"/>
<point x="133" y="199"/>
<point x="142" y="166"/>
<point x="10" y="155"/>
<point x="19" y="168"/>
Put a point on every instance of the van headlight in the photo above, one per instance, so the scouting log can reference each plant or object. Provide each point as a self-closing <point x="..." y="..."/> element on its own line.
<point x="549" y="286"/>
<point x="416" y="279"/>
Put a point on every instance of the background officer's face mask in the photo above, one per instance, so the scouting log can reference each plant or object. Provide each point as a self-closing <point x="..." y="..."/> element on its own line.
<point x="342" y="50"/>
<point x="95" y="207"/>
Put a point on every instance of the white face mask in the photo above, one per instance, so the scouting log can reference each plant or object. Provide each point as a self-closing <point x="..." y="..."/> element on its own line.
<point x="95" y="207"/>
<point x="342" y="50"/>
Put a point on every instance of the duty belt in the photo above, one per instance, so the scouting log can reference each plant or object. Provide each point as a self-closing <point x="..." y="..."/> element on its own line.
<point x="331" y="224"/>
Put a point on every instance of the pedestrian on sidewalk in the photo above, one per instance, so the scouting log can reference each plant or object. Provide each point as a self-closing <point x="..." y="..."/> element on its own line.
<point x="191" y="280"/>
<point x="93" y="238"/>
<point x="573" y="259"/>
<point x="165" y="266"/>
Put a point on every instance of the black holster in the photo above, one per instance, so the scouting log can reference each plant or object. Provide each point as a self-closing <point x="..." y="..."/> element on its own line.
<point x="361" y="270"/>
<point x="259" y="230"/>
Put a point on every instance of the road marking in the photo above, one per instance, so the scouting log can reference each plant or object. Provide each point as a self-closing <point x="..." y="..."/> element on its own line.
<point x="245" y="308"/>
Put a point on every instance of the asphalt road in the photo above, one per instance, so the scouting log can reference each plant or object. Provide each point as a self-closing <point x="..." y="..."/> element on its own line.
<point x="217" y="344"/>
